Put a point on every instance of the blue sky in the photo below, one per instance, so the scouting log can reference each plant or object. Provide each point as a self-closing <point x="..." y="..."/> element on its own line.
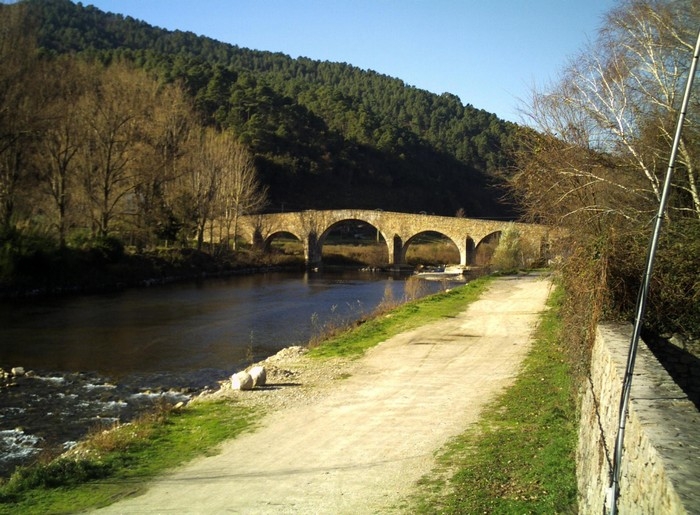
<point x="488" y="52"/>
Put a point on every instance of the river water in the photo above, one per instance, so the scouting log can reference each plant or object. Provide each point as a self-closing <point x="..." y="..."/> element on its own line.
<point x="103" y="358"/>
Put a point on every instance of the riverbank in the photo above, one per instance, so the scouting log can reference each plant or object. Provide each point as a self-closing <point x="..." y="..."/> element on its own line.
<point x="306" y="378"/>
<point x="363" y="443"/>
<point x="293" y="386"/>
<point x="111" y="267"/>
<point x="101" y="359"/>
<point x="89" y="271"/>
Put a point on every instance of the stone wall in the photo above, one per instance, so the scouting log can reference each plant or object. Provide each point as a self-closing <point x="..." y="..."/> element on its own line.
<point x="661" y="460"/>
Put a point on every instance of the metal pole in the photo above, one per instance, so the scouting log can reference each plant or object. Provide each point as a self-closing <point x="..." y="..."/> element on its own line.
<point x="614" y="490"/>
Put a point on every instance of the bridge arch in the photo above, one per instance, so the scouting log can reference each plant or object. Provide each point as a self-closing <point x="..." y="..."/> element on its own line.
<point x="267" y="243"/>
<point x="469" y="235"/>
<point x="321" y="240"/>
<point x="339" y="223"/>
<point x="428" y="234"/>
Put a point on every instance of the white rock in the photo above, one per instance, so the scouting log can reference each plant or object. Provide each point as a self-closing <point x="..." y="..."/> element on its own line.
<point x="17" y="371"/>
<point x="259" y="375"/>
<point x="241" y="381"/>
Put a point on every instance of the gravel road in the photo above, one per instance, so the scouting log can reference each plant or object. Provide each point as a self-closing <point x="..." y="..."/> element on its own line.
<point x="353" y="437"/>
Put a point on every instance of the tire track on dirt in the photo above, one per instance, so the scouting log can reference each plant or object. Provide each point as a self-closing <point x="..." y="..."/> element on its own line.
<point x="362" y="447"/>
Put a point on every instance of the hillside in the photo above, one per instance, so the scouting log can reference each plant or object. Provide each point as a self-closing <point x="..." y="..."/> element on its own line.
<point x="325" y="135"/>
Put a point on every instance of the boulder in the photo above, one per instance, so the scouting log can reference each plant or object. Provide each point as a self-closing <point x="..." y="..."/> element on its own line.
<point x="259" y="376"/>
<point x="241" y="381"/>
<point x="17" y="371"/>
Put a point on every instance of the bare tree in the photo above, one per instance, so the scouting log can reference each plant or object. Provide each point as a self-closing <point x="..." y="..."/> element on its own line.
<point x="61" y="140"/>
<point x="219" y="182"/>
<point x="19" y="113"/>
<point x="595" y="157"/>
<point x="198" y="184"/>
<point x="654" y="40"/>
<point x="240" y="191"/>
<point x="168" y="122"/>
<point x="113" y="110"/>
<point x="604" y="129"/>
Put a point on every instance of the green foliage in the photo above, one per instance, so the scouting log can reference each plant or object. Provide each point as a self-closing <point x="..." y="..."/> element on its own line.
<point x="101" y="248"/>
<point x="31" y="261"/>
<point x="508" y="256"/>
<point x="102" y="264"/>
<point x="23" y="253"/>
<point x="62" y="472"/>
<point x="113" y="461"/>
<point x="326" y="135"/>
<point x="520" y="456"/>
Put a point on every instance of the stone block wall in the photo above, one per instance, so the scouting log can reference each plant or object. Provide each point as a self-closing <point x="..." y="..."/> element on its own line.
<point x="661" y="459"/>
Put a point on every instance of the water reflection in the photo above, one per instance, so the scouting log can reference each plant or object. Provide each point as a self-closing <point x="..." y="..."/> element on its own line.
<point x="212" y="324"/>
<point x="105" y="357"/>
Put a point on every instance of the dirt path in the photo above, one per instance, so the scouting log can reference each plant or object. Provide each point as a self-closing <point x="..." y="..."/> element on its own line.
<point x="360" y="448"/>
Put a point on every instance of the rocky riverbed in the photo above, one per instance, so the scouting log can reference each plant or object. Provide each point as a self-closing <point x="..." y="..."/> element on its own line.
<point x="44" y="413"/>
<point x="47" y="414"/>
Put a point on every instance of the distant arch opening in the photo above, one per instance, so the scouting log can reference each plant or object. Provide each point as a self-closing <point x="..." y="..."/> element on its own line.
<point x="431" y="248"/>
<point x="485" y="249"/>
<point x="353" y="243"/>
<point x="284" y="247"/>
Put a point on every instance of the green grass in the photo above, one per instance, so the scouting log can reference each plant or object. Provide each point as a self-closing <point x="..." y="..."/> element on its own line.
<point x="520" y="457"/>
<point x="353" y="342"/>
<point x="121" y="461"/>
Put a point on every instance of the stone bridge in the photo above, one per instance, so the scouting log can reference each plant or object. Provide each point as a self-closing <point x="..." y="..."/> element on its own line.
<point x="397" y="229"/>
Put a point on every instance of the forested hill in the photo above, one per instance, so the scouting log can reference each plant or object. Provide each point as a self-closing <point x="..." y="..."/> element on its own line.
<point x="325" y="135"/>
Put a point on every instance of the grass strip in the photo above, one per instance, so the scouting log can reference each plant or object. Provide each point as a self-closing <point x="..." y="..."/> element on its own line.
<point x="354" y="341"/>
<point x="520" y="456"/>
<point x="118" y="463"/>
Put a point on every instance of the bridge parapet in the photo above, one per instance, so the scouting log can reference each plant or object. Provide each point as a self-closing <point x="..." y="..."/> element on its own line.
<point x="397" y="229"/>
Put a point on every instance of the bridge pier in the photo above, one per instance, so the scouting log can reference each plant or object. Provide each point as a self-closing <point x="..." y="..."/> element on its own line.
<point x="312" y="250"/>
<point x="469" y="253"/>
<point x="395" y="250"/>
<point x="258" y="242"/>
<point x="397" y="229"/>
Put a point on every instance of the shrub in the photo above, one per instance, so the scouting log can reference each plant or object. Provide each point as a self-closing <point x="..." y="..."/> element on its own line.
<point x="508" y="256"/>
<point x="59" y="473"/>
<point x="674" y="296"/>
<point x="27" y="253"/>
<point x="106" y="248"/>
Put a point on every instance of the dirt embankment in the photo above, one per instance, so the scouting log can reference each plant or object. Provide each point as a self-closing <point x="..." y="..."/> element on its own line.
<point x="354" y="436"/>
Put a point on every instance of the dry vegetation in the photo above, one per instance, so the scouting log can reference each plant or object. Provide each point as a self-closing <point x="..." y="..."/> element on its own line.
<point x="598" y="158"/>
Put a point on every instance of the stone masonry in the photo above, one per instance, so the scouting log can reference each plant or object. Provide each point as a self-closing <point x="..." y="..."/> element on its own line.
<point x="397" y="230"/>
<point x="661" y="459"/>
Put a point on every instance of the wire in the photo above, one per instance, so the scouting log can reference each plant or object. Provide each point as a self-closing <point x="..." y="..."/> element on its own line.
<point x="614" y="489"/>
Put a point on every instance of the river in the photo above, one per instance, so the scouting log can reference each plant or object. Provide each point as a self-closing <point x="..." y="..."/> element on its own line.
<point x="100" y="359"/>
